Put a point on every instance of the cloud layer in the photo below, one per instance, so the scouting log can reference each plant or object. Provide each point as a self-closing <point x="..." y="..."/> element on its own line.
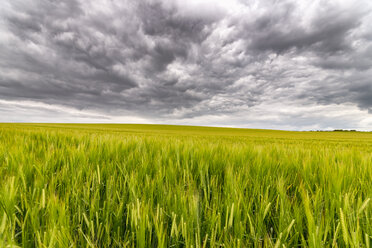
<point x="271" y="64"/>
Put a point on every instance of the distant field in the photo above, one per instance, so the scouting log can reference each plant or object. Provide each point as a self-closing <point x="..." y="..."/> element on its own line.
<point x="77" y="185"/>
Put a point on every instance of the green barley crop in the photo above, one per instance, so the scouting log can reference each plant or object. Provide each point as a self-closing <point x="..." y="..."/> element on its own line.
<point x="174" y="186"/>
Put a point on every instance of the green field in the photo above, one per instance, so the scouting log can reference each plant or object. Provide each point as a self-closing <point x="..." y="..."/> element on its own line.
<point x="67" y="185"/>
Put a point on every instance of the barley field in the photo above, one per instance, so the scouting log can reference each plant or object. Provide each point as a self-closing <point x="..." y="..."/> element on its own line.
<point x="76" y="185"/>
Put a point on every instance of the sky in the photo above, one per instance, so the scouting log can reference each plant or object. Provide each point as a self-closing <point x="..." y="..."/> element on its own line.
<point x="288" y="64"/>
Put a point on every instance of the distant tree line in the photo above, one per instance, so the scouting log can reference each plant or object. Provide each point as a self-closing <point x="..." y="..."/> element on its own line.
<point x="336" y="130"/>
<point x="344" y="130"/>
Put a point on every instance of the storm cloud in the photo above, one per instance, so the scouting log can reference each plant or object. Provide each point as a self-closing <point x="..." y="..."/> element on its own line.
<point x="270" y="64"/>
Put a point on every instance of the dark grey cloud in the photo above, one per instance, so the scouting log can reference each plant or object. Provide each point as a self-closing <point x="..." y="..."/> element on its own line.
<point x="169" y="61"/>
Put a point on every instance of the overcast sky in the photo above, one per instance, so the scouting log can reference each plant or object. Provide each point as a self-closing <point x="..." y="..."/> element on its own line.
<point x="299" y="65"/>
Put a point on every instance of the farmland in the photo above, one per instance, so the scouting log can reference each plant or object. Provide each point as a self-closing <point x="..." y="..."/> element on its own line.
<point x="76" y="185"/>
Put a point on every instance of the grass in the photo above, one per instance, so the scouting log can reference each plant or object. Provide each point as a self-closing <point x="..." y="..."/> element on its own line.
<point x="66" y="185"/>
